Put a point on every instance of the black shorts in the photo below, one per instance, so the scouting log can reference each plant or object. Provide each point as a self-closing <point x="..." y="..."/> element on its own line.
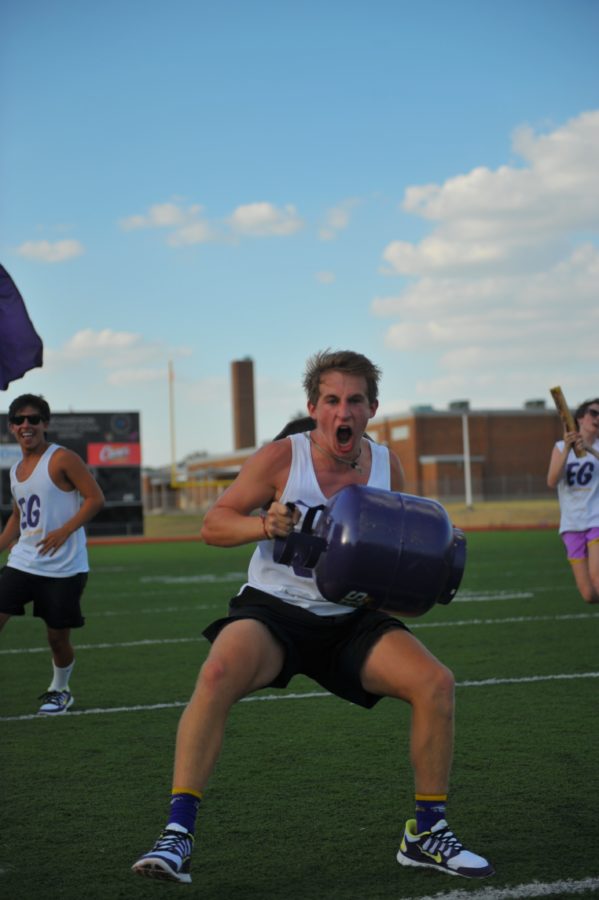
<point x="55" y="600"/>
<point x="329" y="649"/>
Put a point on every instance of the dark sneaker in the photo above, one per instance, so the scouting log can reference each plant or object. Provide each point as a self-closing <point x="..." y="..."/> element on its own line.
<point x="55" y="703"/>
<point x="170" y="857"/>
<point x="439" y="848"/>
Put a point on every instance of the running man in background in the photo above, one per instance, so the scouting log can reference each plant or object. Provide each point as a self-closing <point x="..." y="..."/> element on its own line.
<point x="577" y="482"/>
<point x="54" y="496"/>
<point x="279" y="625"/>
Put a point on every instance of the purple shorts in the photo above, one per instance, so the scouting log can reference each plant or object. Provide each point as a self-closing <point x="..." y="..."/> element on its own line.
<point x="577" y="542"/>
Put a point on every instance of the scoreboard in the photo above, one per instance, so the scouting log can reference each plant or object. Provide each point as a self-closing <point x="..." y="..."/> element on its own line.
<point x="109" y="443"/>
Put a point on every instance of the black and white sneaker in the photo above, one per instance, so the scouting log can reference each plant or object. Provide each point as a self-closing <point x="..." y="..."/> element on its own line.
<point x="55" y="703"/>
<point x="170" y="857"/>
<point x="439" y="848"/>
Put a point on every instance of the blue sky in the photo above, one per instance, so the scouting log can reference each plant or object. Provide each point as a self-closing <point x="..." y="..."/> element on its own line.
<point x="201" y="182"/>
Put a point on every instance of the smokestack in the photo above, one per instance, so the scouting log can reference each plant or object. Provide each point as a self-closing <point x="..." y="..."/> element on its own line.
<point x="242" y="383"/>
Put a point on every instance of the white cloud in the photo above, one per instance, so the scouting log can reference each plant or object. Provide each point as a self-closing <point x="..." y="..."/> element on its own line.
<point x="511" y="216"/>
<point x="577" y="275"/>
<point x="51" y="252"/>
<point x="191" y="233"/>
<point x="136" y="376"/>
<point x="502" y="292"/>
<point x="444" y="254"/>
<point x="161" y="215"/>
<point x="88" y="343"/>
<point x="265" y="220"/>
<point x="557" y="187"/>
<point x="128" y="355"/>
<point x="336" y="219"/>
<point x="325" y="277"/>
<point x="185" y="224"/>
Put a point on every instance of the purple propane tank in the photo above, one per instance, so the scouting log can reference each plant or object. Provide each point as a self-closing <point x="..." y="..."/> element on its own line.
<point x="379" y="549"/>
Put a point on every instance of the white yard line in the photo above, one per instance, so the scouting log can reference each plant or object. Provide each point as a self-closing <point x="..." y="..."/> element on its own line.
<point x="154" y="610"/>
<point x="308" y="695"/>
<point x="527" y="679"/>
<point x="106" y="646"/>
<point x="484" y="596"/>
<point x="194" y="579"/>
<point x="566" y="888"/>
<point x="510" y="620"/>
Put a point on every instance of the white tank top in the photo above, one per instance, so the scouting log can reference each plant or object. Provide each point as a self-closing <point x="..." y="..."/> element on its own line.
<point x="44" y="507"/>
<point x="578" y="491"/>
<point x="302" y="488"/>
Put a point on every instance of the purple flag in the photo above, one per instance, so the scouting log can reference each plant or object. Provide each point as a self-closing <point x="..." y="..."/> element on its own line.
<point x="21" y="347"/>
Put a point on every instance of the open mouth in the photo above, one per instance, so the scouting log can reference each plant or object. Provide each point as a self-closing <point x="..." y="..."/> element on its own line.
<point x="344" y="435"/>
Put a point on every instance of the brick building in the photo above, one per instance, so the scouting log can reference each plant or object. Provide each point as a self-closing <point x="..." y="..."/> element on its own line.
<point x="507" y="450"/>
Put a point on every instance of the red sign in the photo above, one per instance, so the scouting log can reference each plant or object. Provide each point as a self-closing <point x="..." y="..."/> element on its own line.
<point x="114" y="454"/>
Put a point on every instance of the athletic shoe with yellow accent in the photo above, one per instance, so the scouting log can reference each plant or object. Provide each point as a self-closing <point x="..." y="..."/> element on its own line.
<point x="55" y="703"/>
<point x="170" y="857"/>
<point x="440" y="849"/>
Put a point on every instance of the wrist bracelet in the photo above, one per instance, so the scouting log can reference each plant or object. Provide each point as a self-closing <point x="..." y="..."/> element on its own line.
<point x="266" y="534"/>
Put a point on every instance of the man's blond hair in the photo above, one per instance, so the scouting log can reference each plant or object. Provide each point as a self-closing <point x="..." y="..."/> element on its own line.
<point x="341" y="361"/>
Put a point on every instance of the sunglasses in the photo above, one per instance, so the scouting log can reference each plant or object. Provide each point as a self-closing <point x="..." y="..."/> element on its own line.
<point x="593" y="412"/>
<point x="34" y="419"/>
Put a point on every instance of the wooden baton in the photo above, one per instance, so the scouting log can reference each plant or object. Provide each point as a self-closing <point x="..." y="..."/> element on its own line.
<point x="565" y="414"/>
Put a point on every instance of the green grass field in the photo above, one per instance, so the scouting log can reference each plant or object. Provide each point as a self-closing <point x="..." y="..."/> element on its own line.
<point x="310" y="794"/>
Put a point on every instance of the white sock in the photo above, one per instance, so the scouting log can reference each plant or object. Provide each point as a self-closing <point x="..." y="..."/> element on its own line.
<point x="60" y="681"/>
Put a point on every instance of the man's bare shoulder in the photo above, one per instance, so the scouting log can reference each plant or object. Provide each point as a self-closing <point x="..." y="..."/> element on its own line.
<point x="63" y="458"/>
<point x="68" y="470"/>
<point x="259" y="481"/>
<point x="62" y="453"/>
<point x="272" y="457"/>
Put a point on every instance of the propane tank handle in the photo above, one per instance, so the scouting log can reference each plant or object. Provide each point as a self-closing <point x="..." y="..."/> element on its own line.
<point x="285" y="549"/>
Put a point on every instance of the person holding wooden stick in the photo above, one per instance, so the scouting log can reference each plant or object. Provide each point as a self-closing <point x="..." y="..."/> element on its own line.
<point x="574" y="471"/>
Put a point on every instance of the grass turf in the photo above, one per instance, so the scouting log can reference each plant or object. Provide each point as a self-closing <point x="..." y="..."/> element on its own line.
<point x="309" y="796"/>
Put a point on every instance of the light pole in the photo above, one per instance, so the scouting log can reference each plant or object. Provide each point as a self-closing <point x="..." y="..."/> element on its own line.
<point x="467" y="467"/>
